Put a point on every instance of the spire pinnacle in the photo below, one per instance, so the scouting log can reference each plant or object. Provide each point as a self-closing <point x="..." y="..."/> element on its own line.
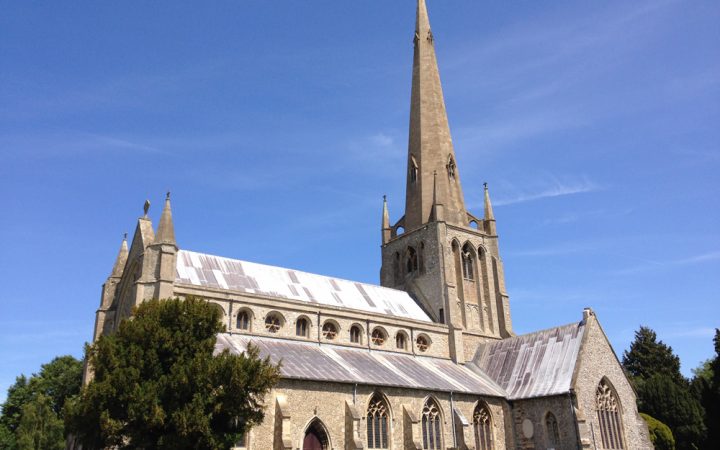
<point x="488" y="206"/>
<point x="166" y="229"/>
<point x="386" y="230"/>
<point x="121" y="259"/>
<point x="430" y="148"/>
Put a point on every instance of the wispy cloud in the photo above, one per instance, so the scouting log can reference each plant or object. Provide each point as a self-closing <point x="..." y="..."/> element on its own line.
<point x="704" y="332"/>
<point x="71" y="143"/>
<point x="649" y="265"/>
<point x="557" y="188"/>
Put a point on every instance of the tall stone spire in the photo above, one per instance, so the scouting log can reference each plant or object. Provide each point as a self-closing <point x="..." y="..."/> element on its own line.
<point x="430" y="148"/>
<point x="121" y="259"/>
<point x="166" y="229"/>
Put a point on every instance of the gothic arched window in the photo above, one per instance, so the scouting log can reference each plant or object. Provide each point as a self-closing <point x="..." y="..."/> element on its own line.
<point x="552" y="430"/>
<point x="378" y="423"/>
<point x="608" y="411"/>
<point x="431" y="426"/>
<point x="482" y="423"/>
<point x="355" y="334"/>
<point x="468" y="263"/>
<point x="301" y="327"/>
<point x="411" y="260"/>
<point x="243" y="321"/>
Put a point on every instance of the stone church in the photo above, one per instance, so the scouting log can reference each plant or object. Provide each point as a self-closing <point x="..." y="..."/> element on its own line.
<point x="427" y="359"/>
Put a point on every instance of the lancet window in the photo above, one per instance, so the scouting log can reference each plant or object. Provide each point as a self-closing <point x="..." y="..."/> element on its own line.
<point x="355" y="334"/>
<point x="413" y="170"/>
<point x="482" y="423"/>
<point x="608" y="411"/>
<point x="552" y="429"/>
<point x="378" y="423"/>
<point x="431" y="426"/>
<point x="243" y="321"/>
<point x="400" y="341"/>
<point x="301" y="327"/>
<point x="411" y="260"/>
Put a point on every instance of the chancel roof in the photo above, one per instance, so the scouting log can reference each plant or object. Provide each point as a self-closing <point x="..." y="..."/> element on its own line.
<point x="532" y="365"/>
<point x="310" y="361"/>
<point x="242" y="276"/>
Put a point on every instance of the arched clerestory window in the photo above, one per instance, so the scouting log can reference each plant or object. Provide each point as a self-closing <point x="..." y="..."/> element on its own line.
<point x="608" y="411"/>
<point x="553" y="430"/>
<point x="243" y="321"/>
<point x="378" y="423"/>
<point x="482" y="424"/>
<point x="431" y="425"/>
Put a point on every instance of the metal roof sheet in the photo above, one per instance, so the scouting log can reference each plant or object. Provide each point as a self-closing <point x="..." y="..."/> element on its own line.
<point x="532" y="365"/>
<point x="310" y="361"/>
<point x="223" y="273"/>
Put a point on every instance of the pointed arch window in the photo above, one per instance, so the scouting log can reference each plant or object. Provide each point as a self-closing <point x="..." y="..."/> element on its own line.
<point x="431" y="426"/>
<point x="552" y="430"/>
<point x="411" y="260"/>
<point x="468" y="263"/>
<point x="243" y="321"/>
<point x="378" y="423"/>
<point x="608" y="411"/>
<point x="482" y="424"/>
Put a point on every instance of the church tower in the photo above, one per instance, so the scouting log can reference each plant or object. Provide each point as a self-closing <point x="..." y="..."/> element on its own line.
<point x="440" y="253"/>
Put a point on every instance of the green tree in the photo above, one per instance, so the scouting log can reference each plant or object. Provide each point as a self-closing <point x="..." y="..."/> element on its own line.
<point x="706" y="387"/>
<point x="648" y="356"/>
<point x="673" y="404"/>
<point x="660" y="434"/>
<point x="17" y="396"/>
<point x="40" y="428"/>
<point x="157" y="384"/>
<point x="7" y="438"/>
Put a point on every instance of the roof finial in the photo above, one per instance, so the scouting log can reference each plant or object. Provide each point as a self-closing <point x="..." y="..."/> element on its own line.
<point x="146" y="208"/>
<point x="125" y="236"/>
<point x="485" y="185"/>
<point x="167" y="196"/>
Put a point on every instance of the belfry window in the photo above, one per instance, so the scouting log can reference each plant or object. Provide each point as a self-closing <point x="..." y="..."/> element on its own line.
<point x="377" y="423"/>
<point x="301" y="327"/>
<point x="273" y="323"/>
<point x="378" y="337"/>
<point x="329" y="330"/>
<point x="355" y="334"/>
<point x="608" y="411"/>
<point x="482" y="423"/>
<point x="552" y="430"/>
<point x="468" y="264"/>
<point x="431" y="426"/>
<point x="243" y="321"/>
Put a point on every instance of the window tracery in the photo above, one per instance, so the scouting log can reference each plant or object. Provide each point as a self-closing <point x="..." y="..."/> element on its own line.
<point x="468" y="263"/>
<point x="422" y="343"/>
<point x="377" y="423"/>
<point x="482" y="423"/>
<point x="431" y="426"/>
<point x="329" y="330"/>
<point x="608" y="411"/>
<point x="378" y="337"/>
<point x="273" y="323"/>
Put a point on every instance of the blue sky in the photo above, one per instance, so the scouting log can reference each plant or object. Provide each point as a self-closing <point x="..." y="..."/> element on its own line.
<point x="278" y="126"/>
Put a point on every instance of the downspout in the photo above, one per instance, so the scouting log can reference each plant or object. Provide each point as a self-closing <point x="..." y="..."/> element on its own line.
<point x="318" y="328"/>
<point x="412" y="340"/>
<point x="367" y="333"/>
<point x="452" y="420"/>
<point x="354" y="393"/>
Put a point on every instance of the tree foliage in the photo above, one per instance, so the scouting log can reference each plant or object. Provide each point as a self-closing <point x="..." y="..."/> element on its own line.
<point x="648" y="356"/>
<point x="57" y="381"/>
<point x="660" y="434"/>
<point x="157" y="384"/>
<point x="706" y="387"/>
<point x="40" y="427"/>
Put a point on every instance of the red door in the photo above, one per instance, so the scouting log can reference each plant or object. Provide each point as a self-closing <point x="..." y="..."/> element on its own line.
<point x="312" y="441"/>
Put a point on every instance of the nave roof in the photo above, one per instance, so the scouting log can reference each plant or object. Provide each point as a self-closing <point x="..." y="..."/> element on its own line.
<point x="210" y="271"/>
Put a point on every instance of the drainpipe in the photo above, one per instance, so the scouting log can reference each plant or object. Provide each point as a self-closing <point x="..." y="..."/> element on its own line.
<point x="412" y="340"/>
<point x="354" y="393"/>
<point x="319" y="328"/>
<point x="367" y="332"/>
<point x="452" y="420"/>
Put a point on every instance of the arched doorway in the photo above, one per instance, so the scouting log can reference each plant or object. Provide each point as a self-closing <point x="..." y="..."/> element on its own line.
<point x="316" y="437"/>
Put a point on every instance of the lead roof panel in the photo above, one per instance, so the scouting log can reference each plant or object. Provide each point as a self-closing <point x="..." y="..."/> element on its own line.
<point x="199" y="269"/>
<point x="310" y="361"/>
